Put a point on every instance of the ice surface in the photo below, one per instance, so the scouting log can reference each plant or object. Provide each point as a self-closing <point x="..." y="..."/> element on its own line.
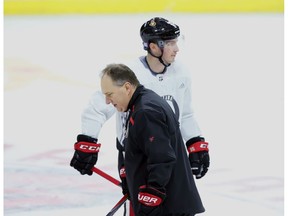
<point x="51" y="65"/>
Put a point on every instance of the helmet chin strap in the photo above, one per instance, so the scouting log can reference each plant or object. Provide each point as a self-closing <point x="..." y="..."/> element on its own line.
<point x="159" y="58"/>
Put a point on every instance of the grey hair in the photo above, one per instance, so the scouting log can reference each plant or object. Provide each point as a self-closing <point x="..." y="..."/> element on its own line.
<point x="120" y="74"/>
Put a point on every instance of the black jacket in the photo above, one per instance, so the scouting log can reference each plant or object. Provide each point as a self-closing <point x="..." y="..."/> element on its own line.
<point x="155" y="154"/>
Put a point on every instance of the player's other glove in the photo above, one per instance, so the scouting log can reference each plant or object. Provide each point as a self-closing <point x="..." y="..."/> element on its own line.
<point x="150" y="201"/>
<point x="85" y="155"/>
<point x="198" y="156"/>
<point x="122" y="174"/>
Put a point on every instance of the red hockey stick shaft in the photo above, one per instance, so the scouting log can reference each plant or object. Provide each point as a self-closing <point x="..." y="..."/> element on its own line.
<point x="116" y="182"/>
<point x="118" y="205"/>
<point x="106" y="176"/>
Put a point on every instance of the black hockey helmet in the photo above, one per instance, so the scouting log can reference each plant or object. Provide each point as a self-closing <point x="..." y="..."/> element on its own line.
<point x="158" y="30"/>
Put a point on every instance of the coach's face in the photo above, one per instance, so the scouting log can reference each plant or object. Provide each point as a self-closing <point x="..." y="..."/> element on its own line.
<point x="118" y="96"/>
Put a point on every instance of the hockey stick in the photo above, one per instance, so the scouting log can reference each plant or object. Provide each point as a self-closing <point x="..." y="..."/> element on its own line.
<point x="106" y="176"/>
<point x="118" y="205"/>
<point x="116" y="182"/>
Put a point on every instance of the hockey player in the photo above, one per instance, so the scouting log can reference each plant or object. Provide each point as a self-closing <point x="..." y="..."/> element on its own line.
<point x="159" y="71"/>
<point x="157" y="168"/>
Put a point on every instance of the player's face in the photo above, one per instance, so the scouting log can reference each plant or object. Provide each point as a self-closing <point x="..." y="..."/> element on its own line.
<point x="170" y="50"/>
<point x="118" y="96"/>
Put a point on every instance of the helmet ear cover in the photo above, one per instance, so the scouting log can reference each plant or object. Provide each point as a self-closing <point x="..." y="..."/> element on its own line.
<point x="160" y="43"/>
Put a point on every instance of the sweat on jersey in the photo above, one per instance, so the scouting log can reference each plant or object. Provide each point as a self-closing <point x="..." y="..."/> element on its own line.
<point x="155" y="154"/>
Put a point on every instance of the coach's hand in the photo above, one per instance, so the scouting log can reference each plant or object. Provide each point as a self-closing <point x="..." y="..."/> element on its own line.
<point x="85" y="155"/>
<point x="198" y="156"/>
<point x="150" y="201"/>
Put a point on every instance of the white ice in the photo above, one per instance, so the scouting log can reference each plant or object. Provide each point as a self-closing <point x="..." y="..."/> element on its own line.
<point x="50" y="71"/>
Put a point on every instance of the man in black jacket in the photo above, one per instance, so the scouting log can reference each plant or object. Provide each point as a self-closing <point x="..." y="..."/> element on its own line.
<point x="158" y="173"/>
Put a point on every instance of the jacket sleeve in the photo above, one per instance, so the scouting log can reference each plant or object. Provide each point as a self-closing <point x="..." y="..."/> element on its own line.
<point x="95" y="114"/>
<point x="153" y="138"/>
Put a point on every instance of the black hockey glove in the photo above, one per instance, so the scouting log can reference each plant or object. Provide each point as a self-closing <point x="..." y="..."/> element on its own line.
<point x="150" y="201"/>
<point x="122" y="174"/>
<point x="85" y="155"/>
<point x="198" y="156"/>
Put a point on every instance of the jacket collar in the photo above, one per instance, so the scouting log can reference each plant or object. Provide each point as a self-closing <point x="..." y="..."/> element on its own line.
<point x="134" y="97"/>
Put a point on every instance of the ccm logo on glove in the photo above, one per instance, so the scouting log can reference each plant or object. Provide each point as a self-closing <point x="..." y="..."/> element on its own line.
<point x="87" y="147"/>
<point x="149" y="199"/>
<point x="198" y="146"/>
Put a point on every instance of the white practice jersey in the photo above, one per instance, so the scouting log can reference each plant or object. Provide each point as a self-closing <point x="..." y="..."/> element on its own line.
<point x="173" y="85"/>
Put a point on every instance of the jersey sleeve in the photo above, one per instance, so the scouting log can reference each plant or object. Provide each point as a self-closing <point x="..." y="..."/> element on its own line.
<point x="153" y="138"/>
<point x="189" y="124"/>
<point x="95" y="114"/>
